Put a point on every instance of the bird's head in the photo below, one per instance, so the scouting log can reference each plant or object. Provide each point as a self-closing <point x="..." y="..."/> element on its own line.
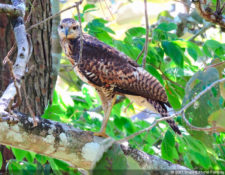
<point x="68" y="28"/>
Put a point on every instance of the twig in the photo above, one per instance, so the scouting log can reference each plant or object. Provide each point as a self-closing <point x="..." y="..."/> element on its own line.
<point x="147" y="33"/>
<point x="195" y="127"/>
<point x="142" y="51"/>
<point x="173" y="82"/>
<point x="29" y="15"/>
<point x="81" y="36"/>
<point x="53" y="16"/>
<point x="23" y="55"/>
<point x="18" y="93"/>
<point x="101" y="7"/>
<point x="214" y="65"/>
<point x="14" y="45"/>
<point x="175" y="114"/>
<point x="108" y="9"/>
<point x="5" y="60"/>
<point x="125" y="110"/>
<point x="207" y="13"/>
<point x="201" y="31"/>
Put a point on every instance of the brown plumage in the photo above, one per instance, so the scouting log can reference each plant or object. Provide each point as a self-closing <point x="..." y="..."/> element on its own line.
<point x="111" y="72"/>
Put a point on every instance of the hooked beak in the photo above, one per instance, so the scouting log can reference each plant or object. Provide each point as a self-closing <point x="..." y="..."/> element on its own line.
<point x="66" y="31"/>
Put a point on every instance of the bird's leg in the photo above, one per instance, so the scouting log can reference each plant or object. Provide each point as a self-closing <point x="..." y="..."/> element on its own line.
<point x="107" y="104"/>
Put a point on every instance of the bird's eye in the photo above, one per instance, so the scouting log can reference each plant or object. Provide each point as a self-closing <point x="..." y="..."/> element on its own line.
<point x="61" y="27"/>
<point x="74" y="27"/>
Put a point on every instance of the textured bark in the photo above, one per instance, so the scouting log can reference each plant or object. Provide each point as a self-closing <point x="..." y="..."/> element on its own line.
<point x="6" y="42"/>
<point x="38" y="83"/>
<point x="79" y="148"/>
<point x="38" y="79"/>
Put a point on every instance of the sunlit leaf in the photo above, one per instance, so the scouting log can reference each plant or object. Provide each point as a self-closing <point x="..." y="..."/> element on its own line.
<point x="167" y="26"/>
<point x="168" y="149"/>
<point x="174" y="52"/>
<point x="88" y="8"/>
<point x="217" y="118"/>
<point x="1" y="160"/>
<point x="19" y="153"/>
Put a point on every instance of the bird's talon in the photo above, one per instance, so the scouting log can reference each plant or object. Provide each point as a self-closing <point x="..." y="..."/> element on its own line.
<point x="101" y="134"/>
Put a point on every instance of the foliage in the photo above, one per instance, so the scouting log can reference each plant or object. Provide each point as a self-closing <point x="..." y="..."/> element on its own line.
<point x="176" y="64"/>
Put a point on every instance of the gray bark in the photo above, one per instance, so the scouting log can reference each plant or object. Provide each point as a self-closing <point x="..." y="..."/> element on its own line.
<point x="79" y="148"/>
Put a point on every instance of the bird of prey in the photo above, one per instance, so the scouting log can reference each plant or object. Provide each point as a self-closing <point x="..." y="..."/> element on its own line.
<point x="111" y="73"/>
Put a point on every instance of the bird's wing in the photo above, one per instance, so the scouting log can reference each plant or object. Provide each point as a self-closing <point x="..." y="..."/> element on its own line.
<point x="105" y="66"/>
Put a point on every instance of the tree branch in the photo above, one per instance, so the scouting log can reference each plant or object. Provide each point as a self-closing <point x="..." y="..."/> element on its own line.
<point x="10" y="10"/>
<point x="23" y="56"/>
<point x="147" y="33"/>
<point x="201" y="31"/>
<point x="208" y="14"/>
<point x="55" y="15"/>
<point x="79" y="148"/>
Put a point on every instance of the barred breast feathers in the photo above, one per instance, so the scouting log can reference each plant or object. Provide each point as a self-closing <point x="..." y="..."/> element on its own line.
<point x="104" y="65"/>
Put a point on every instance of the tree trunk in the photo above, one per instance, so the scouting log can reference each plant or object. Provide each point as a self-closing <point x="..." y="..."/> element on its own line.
<point x="38" y="81"/>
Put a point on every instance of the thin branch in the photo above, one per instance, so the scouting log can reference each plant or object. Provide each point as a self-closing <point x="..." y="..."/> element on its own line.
<point x="147" y="34"/>
<point x="81" y="36"/>
<point x="195" y="127"/>
<point x="108" y="9"/>
<point x="142" y="51"/>
<point x="18" y="93"/>
<point x="5" y="60"/>
<point x="29" y="15"/>
<point x="201" y="31"/>
<point x="208" y="14"/>
<point x="175" y="114"/>
<point x="14" y="45"/>
<point x="214" y="65"/>
<point x="10" y="10"/>
<point x="53" y="16"/>
<point x="23" y="56"/>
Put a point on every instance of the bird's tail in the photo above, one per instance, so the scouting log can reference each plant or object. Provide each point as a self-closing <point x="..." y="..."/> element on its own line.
<point x="161" y="108"/>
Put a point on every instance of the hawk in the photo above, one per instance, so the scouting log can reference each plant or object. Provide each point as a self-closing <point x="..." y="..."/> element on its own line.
<point x="111" y="73"/>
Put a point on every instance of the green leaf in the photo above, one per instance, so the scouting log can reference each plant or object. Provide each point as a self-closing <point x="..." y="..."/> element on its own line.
<point x="40" y="158"/>
<point x="54" y="166"/>
<point x="136" y="32"/>
<point x="118" y="122"/>
<point x="173" y="96"/>
<point x="193" y="50"/>
<point x="187" y="162"/>
<point x="14" y="167"/>
<point x="212" y="48"/>
<point x="19" y="153"/>
<point x="217" y="118"/>
<point x="197" y="158"/>
<point x="87" y="7"/>
<point x="168" y="149"/>
<point x="1" y="160"/>
<point x="30" y="156"/>
<point x="174" y="52"/>
<point x="167" y="26"/>
<point x="159" y="35"/>
<point x="61" y="164"/>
